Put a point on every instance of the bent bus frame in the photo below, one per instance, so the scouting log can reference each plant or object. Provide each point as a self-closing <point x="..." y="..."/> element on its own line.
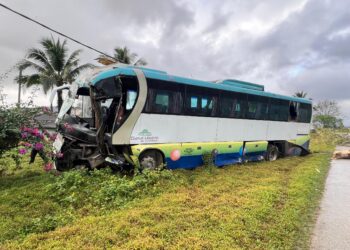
<point x="147" y="118"/>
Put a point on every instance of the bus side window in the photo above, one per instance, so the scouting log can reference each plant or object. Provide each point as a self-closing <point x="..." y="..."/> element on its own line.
<point x="279" y="110"/>
<point x="162" y="102"/>
<point x="231" y="105"/>
<point x="252" y="106"/>
<point x="164" y="97"/>
<point x="257" y="107"/>
<point x="201" y="102"/>
<point x="130" y="99"/>
<point x="305" y="112"/>
<point x="194" y="102"/>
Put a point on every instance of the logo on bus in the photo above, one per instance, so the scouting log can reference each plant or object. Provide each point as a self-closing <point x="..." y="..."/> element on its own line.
<point x="144" y="137"/>
<point x="145" y="132"/>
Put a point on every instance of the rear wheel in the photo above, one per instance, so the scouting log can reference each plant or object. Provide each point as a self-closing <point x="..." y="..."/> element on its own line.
<point x="271" y="153"/>
<point x="152" y="160"/>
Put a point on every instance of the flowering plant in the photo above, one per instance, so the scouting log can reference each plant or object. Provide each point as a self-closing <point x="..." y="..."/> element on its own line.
<point x="41" y="142"/>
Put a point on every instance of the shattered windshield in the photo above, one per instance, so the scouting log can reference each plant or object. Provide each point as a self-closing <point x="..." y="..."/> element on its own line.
<point x="82" y="107"/>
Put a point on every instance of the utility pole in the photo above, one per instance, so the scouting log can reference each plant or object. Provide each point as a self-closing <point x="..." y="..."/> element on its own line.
<point x="19" y="87"/>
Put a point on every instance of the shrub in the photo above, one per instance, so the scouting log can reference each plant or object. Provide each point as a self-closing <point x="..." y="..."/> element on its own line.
<point x="12" y="118"/>
<point x="103" y="188"/>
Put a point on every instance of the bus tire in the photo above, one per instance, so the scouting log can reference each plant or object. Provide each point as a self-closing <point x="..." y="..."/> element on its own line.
<point x="152" y="160"/>
<point x="272" y="153"/>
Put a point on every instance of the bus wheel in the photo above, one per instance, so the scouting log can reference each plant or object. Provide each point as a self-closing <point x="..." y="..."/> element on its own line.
<point x="152" y="160"/>
<point x="271" y="153"/>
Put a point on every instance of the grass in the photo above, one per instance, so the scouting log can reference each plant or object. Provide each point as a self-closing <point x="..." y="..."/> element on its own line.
<point x="267" y="205"/>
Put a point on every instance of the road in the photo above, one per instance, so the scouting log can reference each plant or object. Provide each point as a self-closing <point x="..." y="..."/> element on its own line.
<point x="332" y="230"/>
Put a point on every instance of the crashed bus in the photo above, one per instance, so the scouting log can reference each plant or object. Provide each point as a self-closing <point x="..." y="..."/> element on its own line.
<point x="145" y="118"/>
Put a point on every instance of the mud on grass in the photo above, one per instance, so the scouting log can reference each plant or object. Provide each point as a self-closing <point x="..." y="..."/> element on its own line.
<point x="253" y="206"/>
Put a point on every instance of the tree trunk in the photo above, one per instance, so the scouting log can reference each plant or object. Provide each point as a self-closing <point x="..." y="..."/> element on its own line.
<point x="59" y="99"/>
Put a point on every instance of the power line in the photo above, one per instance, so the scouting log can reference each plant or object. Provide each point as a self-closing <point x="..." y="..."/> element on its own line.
<point x="55" y="31"/>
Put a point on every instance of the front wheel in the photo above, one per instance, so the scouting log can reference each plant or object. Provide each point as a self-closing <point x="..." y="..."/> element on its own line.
<point x="152" y="160"/>
<point x="271" y="153"/>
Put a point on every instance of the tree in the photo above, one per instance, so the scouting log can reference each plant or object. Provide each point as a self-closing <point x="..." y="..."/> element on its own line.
<point x="51" y="66"/>
<point x="122" y="55"/>
<point x="300" y="94"/>
<point x="327" y="115"/>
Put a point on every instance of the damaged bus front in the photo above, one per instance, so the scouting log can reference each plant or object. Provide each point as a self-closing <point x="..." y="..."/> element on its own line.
<point x="95" y="109"/>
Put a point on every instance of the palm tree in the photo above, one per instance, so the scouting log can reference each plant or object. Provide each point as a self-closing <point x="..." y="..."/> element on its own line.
<point x="122" y="55"/>
<point x="51" y="66"/>
<point x="300" y="94"/>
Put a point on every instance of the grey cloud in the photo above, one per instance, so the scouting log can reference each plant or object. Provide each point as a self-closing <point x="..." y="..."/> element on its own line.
<point x="202" y="39"/>
<point x="305" y="33"/>
<point x="327" y="82"/>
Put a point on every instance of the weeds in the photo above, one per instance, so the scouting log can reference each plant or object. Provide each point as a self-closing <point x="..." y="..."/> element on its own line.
<point x="266" y="205"/>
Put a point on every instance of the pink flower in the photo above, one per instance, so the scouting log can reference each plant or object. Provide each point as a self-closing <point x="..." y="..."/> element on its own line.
<point x="24" y="135"/>
<point x="35" y="132"/>
<point x="40" y="135"/>
<point x="28" y="145"/>
<point x="48" y="166"/>
<point x="22" y="151"/>
<point x="38" y="146"/>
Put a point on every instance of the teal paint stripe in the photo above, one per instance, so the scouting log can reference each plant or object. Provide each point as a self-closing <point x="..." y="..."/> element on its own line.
<point x="161" y="75"/>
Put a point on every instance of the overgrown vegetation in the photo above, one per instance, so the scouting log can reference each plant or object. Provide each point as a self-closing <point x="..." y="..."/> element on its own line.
<point x="12" y="118"/>
<point x="252" y="206"/>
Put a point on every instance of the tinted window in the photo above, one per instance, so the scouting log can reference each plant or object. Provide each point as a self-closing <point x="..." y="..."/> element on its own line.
<point x="108" y="88"/>
<point x="232" y="105"/>
<point x="164" y="97"/>
<point x="201" y="101"/>
<point x="304" y="112"/>
<point x="293" y="114"/>
<point x="279" y="110"/>
<point x="257" y="107"/>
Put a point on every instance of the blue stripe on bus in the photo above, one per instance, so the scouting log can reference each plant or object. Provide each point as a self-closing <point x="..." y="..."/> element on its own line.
<point x="227" y="159"/>
<point x="219" y="161"/>
<point x="185" y="162"/>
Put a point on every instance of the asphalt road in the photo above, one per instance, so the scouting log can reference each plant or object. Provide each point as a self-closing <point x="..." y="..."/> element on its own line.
<point x="332" y="230"/>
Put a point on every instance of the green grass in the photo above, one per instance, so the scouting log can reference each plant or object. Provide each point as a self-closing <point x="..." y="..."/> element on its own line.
<point x="267" y="205"/>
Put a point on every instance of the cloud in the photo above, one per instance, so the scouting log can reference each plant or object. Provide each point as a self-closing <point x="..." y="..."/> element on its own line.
<point x="285" y="45"/>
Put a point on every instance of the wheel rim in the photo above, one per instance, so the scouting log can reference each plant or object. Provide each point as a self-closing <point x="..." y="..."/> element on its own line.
<point x="273" y="155"/>
<point x="148" y="162"/>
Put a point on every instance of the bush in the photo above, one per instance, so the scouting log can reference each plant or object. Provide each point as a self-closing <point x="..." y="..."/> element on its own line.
<point x="103" y="188"/>
<point x="12" y="119"/>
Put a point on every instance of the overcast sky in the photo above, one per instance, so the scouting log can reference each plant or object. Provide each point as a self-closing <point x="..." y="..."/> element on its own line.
<point x="287" y="46"/>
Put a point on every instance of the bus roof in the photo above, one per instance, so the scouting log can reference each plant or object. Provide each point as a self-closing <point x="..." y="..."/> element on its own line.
<point x="228" y="85"/>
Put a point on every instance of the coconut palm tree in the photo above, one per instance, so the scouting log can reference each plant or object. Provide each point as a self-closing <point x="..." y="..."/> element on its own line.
<point x="300" y="94"/>
<point x="51" y="66"/>
<point x="122" y="55"/>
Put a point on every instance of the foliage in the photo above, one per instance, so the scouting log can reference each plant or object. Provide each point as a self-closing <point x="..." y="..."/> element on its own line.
<point x="327" y="115"/>
<point x="328" y="121"/>
<point x="101" y="188"/>
<point x="12" y="119"/>
<point x="122" y="55"/>
<point x="300" y="94"/>
<point x="267" y="205"/>
<point x="52" y="66"/>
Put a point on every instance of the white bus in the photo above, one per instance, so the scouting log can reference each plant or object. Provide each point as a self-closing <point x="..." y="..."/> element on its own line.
<point x="150" y="119"/>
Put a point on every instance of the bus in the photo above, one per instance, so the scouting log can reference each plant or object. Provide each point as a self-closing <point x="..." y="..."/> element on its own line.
<point x="145" y="118"/>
